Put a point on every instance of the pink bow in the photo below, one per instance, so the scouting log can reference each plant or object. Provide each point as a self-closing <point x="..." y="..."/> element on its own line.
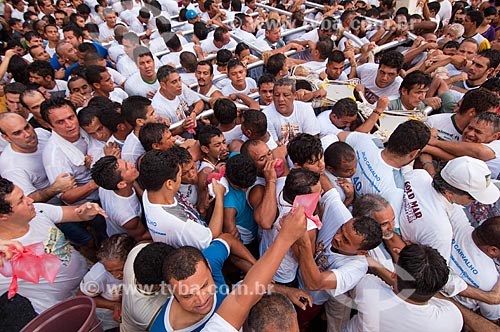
<point x="216" y="175"/>
<point x="309" y="202"/>
<point x="29" y="264"/>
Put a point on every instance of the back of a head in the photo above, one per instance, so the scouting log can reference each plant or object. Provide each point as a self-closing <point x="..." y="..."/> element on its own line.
<point x="481" y="100"/>
<point x="188" y="61"/>
<point x="338" y="152"/>
<point x="181" y="263"/>
<point x="303" y="148"/>
<point x="225" y="111"/>
<point x="148" y="263"/>
<point x="345" y="107"/>
<point x="493" y="57"/>
<point x="163" y="24"/>
<point x="299" y="182"/>
<point x="421" y="272"/>
<point x="275" y="63"/>
<point x="157" y="166"/>
<point x="255" y="121"/>
<point x="135" y="107"/>
<point x="488" y="233"/>
<point x="152" y="133"/>
<point x="368" y="204"/>
<point x="274" y="312"/>
<point x="241" y="171"/>
<point x="409" y="136"/>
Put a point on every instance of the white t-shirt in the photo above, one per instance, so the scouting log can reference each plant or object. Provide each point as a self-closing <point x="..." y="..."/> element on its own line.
<point x="26" y="169"/>
<point x="493" y="164"/>
<point x="446" y="126"/>
<point x="105" y="32"/>
<point x="326" y="127"/>
<point x="302" y="120"/>
<point x="126" y="66"/>
<point x="117" y="78"/>
<point x="373" y="175"/>
<point x="218" y="324"/>
<point x="60" y="89"/>
<point x="118" y="95"/>
<point x="425" y="216"/>
<point x="287" y="270"/>
<point x="98" y="281"/>
<point x="132" y="148"/>
<point x="120" y="210"/>
<point x="229" y="88"/>
<point x="165" y="224"/>
<point x="73" y="266"/>
<point x="207" y="46"/>
<point x="380" y="309"/>
<point x="367" y="73"/>
<point x="137" y="86"/>
<point x="474" y="267"/>
<point x="177" y="109"/>
<point x="233" y="134"/>
<point x="138" y="308"/>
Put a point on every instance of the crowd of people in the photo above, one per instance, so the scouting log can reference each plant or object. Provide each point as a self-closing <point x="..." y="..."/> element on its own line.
<point x="171" y="155"/>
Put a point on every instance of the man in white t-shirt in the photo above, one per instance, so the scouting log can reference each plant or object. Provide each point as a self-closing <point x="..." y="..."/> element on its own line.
<point x="408" y="305"/>
<point x="32" y="224"/>
<point x="379" y="169"/>
<point x="432" y="205"/>
<point x="106" y="29"/>
<point x="170" y="218"/>
<point x="450" y="126"/>
<point x="287" y="117"/>
<point x="325" y="30"/>
<point x="221" y="40"/>
<point x="173" y="101"/>
<point x="21" y="162"/>
<point x="240" y="83"/>
<point x="144" y="82"/>
<point x="138" y="111"/>
<point x="118" y="197"/>
<point x="41" y="72"/>
<point x="382" y="79"/>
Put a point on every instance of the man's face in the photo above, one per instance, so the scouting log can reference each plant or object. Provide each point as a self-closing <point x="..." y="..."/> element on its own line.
<point x="128" y="172"/>
<point x="469" y="26"/>
<point x="414" y="96"/>
<point x="20" y="134"/>
<point x="385" y="76"/>
<point x="146" y="66"/>
<point x="13" y="104"/>
<point x="479" y="69"/>
<point x="189" y="173"/>
<point x="151" y="116"/>
<point x="59" y="19"/>
<point x="80" y="86"/>
<point x="266" y="93"/>
<point x="167" y="141"/>
<point x="40" y="53"/>
<point x="334" y="70"/>
<point x="260" y="154"/>
<point x="70" y="37"/>
<point x="195" y="294"/>
<point x="479" y="132"/>
<point x="48" y="7"/>
<point x="249" y="25"/>
<point x="325" y="33"/>
<point x="316" y="164"/>
<point x="22" y="206"/>
<point x="68" y="52"/>
<point x="237" y="75"/>
<point x="35" y="41"/>
<point x="283" y="98"/>
<point x="97" y="130"/>
<point x="468" y="50"/>
<point x="43" y="81"/>
<point x="217" y="149"/>
<point x="385" y="218"/>
<point x="203" y="75"/>
<point x="347" y="168"/>
<point x="51" y="34"/>
<point x="346" y="241"/>
<point x="106" y="83"/>
<point x="110" y="19"/>
<point x="342" y="122"/>
<point x="33" y="101"/>
<point x="65" y="123"/>
<point x="80" y="21"/>
<point x="173" y="84"/>
<point x="273" y="36"/>
<point x="226" y="38"/>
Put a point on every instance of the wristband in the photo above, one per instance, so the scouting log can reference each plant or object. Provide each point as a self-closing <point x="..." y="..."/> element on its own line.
<point x="427" y="163"/>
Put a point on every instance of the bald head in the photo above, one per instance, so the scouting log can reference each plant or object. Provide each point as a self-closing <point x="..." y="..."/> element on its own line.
<point x="18" y="132"/>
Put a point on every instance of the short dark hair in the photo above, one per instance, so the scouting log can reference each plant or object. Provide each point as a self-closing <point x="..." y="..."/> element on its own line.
<point x="182" y="154"/>
<point x="392" y="59"/>
<point x="200" y="30"/>
<point x="42" y="68"/>
<point x="163" y="24"/>
<point x="303" y="148"/>
<point x="94" y="74"/>
<point x="336" y="56"/>
<point x="345" y="107"/>
<point x="476" y="16"/>
<point x="219" y="33"/>
<point x="266" y="78"/>
<point x="54" y="103"/>
<point x="87" y="47"/>
<point x="87" y="114"/>
<point x="14" y="88"/>
<point x="240" y="47"/>
<point x="255" y="121"/>
<point x="416" y="78"/>
<point x="105" y="173"/>
<point x="181" y="263"/>
<point x="421" y="270"/>
<point x="275" y="63"/>
<point x="370" y="230"/>
<point x="488" y="232"/>
<point x="206" y="134"/>
<point x="148" y="263"/>
<point x="481" y="100"/>
<point x="452" y="44"/>
<point x="241" y="171"/>
<point x="110" y="119"/>
<point x="223" y="56"/>
<point x="171" y="40"/>
<point x="492" y="84"/>
<point x="324" y="47"/>
<point x="328" y="24"/>
<point x="299" y="182"/>
<point x="188" y="61"/>
<point x="233" y="63"/>
<point x="206" y="63"/>
<point x="157" y="166"/>
<point x="338" y="152"/>
<point x="6" y="188"/>
<point x="141" y="51"/>
<point x="164" y="72"/>
<point x="135" y="107"/>
<point x="225" y="110"/>
<point x="408" y="136"/>
<point x="273" y="310"/>
<point x="152" y="133"/>
<point x="493" y="56"/>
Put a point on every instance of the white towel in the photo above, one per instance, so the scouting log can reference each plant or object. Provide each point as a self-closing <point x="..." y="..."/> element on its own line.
<point x="74" y="155"/>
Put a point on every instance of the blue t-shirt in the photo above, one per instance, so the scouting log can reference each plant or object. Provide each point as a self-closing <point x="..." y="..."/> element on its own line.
<point x="216" y="254"/>
<point x="245" y="223"/>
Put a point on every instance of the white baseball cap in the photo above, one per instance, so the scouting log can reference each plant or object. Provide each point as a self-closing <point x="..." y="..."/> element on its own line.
<point x="472" y="176"/>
